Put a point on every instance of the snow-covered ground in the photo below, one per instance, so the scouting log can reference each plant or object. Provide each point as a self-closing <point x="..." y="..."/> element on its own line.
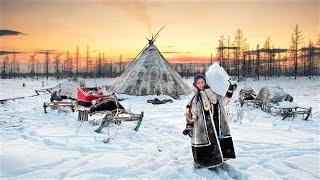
<point x="55" y="145"/>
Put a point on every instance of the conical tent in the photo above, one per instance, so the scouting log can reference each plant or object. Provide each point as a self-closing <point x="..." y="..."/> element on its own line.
<point x="150" y="74"/>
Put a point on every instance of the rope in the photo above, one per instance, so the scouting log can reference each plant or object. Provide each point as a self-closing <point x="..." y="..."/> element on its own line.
<point x="77" y="130"/>
<point x="12" y="99"/>
<point x="109" y="138"/>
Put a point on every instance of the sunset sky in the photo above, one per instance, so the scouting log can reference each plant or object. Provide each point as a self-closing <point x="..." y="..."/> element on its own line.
<point x="192" y="27"/>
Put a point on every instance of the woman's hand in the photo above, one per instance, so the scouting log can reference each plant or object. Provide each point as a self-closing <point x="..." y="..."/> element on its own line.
<point x="188" y="131"/>
<point x="231" y="89"/>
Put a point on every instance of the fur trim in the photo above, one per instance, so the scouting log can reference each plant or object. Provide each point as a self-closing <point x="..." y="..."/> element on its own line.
<point x="205" y="100"/>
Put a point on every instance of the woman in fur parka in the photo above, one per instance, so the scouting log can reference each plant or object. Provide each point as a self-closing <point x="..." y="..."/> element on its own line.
<point x="211" y="145"/>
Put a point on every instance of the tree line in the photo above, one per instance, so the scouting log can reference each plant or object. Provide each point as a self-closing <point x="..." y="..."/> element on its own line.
<point x="267" y="60"/>
<point x="61" y="65"/>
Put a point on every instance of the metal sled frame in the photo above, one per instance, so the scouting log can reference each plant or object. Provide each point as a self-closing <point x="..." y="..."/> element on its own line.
<point x="59" y="105"/>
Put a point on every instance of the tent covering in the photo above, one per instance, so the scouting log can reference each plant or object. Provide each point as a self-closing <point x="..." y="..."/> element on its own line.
<point x="150" y="74"/>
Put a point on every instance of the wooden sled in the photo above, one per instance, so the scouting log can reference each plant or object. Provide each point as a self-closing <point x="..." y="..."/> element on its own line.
<point x="44" y="91"/>
<point x="113" y="117"/>
<point x="248" y="97"/>
<point x="286" y="112"/>
<point x="58" y="105"/>
<point x="288" y="109"/>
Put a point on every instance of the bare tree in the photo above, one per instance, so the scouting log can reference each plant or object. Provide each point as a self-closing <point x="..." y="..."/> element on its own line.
<point x="103" y="65"/>
<point x="311" y="50"/>
<point x="111" y="69"/>
<point x="221" y="51"/>
<point x="98" y="66"/>
<point x="317" y="56"/>
<point x="57" y="63"/>
<point x="267" y="49"/>
<point x="4" y="67"/>
<point x="77" y="61"/>
<point x="87" y="61"/>
<point x="32" y="63"/>
<point x="279" y="64"/>
<point x="68" y="62"/>
<point x="249" y="63"/>
<point x="228" y="55"/>
<point x="16" y="64"/>
<point x="37" y="68"/>
<point x="240" y="43"/>
<point x="244" y="62"/>
<point x="296" y="40"/>
<point x="257" y="69"/>
<point x="46" y="65"/>
<point x="13" y="65"/>
<point x="120" y="64"/>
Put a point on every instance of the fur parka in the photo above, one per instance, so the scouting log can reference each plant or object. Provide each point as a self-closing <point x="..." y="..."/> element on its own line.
<point x="195" y="115"/>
